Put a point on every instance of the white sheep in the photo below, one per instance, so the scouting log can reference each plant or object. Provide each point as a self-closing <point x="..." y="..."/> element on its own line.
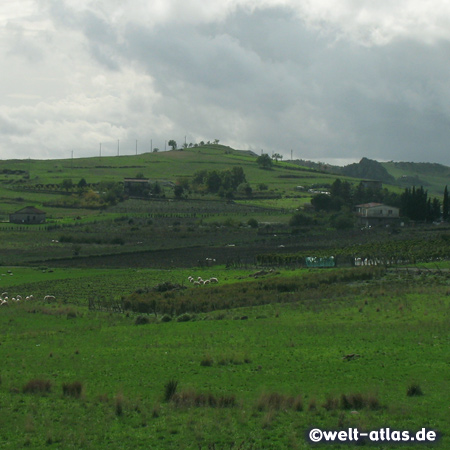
<point x="49" y="298"/>
<point x="207" y="281"/>
<point x="214" y="280"/>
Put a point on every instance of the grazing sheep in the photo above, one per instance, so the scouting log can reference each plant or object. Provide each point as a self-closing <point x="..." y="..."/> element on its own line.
<point x="214" y="280"/>
<point x="207" y="281"/>
<point x="4" y="294"/>
<point x="18" y="297"/>
<point x="49" y="298"/>
<point x="4" y="303"/>
<point x="196" y="283"/>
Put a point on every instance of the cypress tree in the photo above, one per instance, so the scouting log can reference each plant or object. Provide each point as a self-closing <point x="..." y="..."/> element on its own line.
<point x="445" y="205"/>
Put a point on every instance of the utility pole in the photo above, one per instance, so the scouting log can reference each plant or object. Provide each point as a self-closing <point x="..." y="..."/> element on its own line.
<point x="118" y="147"/>
<point x="165" y="145"/>
<point x="100" y="149"/>
<point x="151" y="145"/>
<point x="136" y="147"/>
<point x="291" y="154"/>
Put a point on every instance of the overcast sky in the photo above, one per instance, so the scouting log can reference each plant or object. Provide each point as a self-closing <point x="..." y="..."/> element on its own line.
<point x="333" y="80"/>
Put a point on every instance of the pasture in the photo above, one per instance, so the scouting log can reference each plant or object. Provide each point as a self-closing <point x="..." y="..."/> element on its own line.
<point x="132" y="355"/>
<point x="251" y="377"/>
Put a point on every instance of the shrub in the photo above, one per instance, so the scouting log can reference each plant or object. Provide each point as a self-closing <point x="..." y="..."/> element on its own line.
<point x="119" y="403"/>
<point x="72" y="389"/>
<point x="184" y="318"/>
<point x="37" y="386"/>
<point x="414" y="390"/>
<point x="207" y="361"/>
<point x="166" y="318"/>
<point x="170" y="389"/>
<point x="141" y="320"/>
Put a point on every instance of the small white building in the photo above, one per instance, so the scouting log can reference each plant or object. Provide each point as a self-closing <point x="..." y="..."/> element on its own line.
<point x="372" y="214"/>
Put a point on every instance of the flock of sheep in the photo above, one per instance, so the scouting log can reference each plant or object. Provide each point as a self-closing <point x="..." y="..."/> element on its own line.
<point x="200" y="281"/>
<point x="6" y="301"/>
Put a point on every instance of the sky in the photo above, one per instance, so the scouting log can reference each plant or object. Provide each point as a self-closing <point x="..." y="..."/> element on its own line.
<point x="329" y="80"/>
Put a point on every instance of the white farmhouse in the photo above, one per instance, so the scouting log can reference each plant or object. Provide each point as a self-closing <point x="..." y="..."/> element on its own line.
<point x="372" y="214"/>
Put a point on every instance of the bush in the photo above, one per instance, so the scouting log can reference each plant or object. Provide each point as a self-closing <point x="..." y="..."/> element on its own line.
<point x="141" y="320"/>
<point x="207" y="361"/>
<point x="72" y="389"/>
<point x="253" y="223"/>
<point x="170" y="389"/>
<point x="414" y="390"/>
<point x="184" y="318"/>
<point x="299" y="220"/>
<point x="37" y="386"/>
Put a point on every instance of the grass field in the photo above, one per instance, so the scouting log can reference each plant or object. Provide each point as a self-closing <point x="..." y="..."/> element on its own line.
<point x="252" y="362"/>
<point x="261" y="382"/>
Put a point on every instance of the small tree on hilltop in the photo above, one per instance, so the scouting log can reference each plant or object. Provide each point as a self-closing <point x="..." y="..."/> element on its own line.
<point x="172" y="143"/>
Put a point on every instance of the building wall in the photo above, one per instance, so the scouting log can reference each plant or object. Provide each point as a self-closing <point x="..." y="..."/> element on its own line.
<point x="27" y="218"/>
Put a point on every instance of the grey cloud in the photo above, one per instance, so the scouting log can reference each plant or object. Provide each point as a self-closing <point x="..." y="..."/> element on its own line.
<point x="266" y="80"/>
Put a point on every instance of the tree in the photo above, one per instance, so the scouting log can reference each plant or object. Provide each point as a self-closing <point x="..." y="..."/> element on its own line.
<point x="277" y="156"/>
<point x="156" y="150"/>
<point x="264" y="161"/>
<point x="445" y="205"/>
<point x="172" y="143"/>
<point x="178" y="191"/>
<point x="67" y="184"/>
<point x="82" y="184"/>
<point x="213" y="181"/>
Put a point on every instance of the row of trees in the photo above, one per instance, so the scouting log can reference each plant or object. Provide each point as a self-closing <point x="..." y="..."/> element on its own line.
<point x="173" y="143"/>
<point x="413" y="203"/>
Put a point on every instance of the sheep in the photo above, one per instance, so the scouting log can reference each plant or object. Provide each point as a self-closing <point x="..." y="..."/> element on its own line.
<point x="207" y="282"/>
<point x="4" y="303"/>
<point x="196" y="283"/>
<point x="4" y="294"/>
<point x="214" y="280"/>
<point x="49" y="298"/>
<point x="18" y="297"/>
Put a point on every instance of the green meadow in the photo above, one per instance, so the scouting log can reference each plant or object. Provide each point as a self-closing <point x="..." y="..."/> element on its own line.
<point x="128" y="353"/>
<point x="251" y="377"/>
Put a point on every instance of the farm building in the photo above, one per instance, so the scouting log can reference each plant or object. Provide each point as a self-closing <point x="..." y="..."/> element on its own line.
<point x="372" y="214"/>
<point x="28" y="215"/>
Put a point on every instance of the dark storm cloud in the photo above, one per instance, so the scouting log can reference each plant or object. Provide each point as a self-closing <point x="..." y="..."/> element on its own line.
<point x="325" y="83"/>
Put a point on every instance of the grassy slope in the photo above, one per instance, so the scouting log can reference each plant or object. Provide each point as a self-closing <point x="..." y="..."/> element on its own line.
<point x="434" y="176"/>
<point x="156" y="166"/>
